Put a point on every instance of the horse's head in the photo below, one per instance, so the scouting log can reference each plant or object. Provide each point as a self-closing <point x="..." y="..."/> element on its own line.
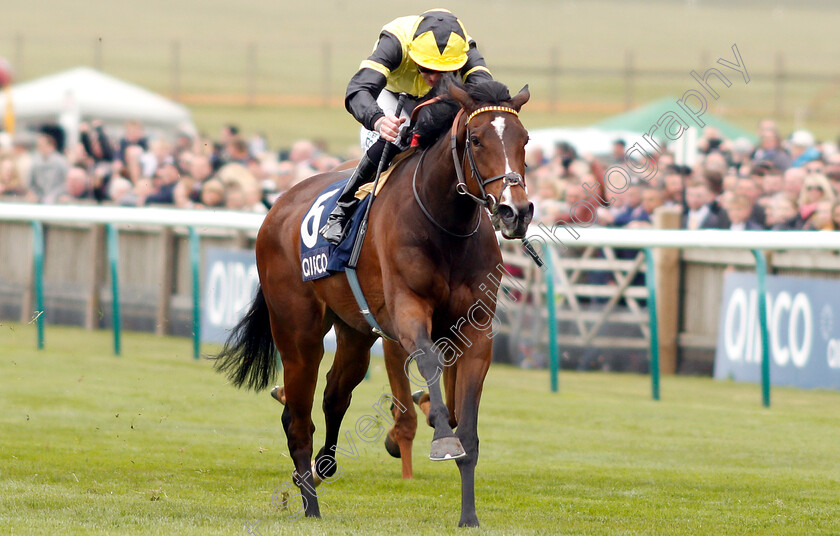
<point x="495" y="149"/>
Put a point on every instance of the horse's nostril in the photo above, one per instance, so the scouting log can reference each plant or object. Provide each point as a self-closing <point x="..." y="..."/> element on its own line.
<point x="506" y="213"/>
<point x="527" y="214"/>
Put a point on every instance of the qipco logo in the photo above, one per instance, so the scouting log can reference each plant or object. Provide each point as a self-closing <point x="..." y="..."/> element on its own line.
<point x="790" y="322"/>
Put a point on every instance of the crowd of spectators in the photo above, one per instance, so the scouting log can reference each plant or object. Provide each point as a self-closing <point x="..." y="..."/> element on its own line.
<point x="192" y="172"/>
<point x="783" y="183"/>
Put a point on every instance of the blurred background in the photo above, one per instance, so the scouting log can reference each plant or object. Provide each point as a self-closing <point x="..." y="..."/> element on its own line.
<point x="281" y="67"/>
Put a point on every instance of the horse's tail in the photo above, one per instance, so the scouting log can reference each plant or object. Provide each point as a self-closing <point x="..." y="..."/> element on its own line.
<point x="249" y="354"/>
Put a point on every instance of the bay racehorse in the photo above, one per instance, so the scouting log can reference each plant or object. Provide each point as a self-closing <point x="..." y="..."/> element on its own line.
<point x="430" y="257"/>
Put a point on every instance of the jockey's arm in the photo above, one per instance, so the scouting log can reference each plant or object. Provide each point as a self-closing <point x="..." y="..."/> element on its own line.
<point x="370" y="80"/>
<point x="475" y="70"/>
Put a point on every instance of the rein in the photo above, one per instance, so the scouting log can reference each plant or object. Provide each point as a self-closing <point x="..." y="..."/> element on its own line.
<point x="429" y="215"/>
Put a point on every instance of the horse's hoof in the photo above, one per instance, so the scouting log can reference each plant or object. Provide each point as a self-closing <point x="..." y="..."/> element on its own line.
<point x="417" y="395"/>
<point x="279" y="394"/>
<point x="315" y="477"/>
<point x="446" y="448"/>
<point x="391" y="446"/>
<point x="469" y="522"/>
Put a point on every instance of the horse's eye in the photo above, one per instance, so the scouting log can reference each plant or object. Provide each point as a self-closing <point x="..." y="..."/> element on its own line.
<point x="474" y="141"/>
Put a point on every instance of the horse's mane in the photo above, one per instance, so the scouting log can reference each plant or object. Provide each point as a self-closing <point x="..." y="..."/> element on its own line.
<point x="436" y="119"/>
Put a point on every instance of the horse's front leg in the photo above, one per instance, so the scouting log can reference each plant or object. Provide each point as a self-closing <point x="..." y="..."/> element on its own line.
<point x="471" y="370"/>
<point x="414" y="330"/>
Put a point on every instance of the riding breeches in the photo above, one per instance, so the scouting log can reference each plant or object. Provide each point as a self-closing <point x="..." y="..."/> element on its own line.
<point x="388" y="102"/>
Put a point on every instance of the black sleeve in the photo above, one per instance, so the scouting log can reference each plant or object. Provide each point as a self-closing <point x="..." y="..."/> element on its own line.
<point x="368" y="82"/>
<point x="105" y="143"/>
<point x="475" y="69"/>
<point x="84" y="137"/>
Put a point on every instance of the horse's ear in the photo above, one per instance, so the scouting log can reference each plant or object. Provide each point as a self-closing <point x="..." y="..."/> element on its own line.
<point x="521" y="98"/>
<point x="462" y="97"/>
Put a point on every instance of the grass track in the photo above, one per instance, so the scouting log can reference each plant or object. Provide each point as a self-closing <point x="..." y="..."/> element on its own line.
<point x="156" y="443"/>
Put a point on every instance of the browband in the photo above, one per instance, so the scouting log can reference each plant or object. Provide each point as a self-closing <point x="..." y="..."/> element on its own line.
<point x="492" y="109"/>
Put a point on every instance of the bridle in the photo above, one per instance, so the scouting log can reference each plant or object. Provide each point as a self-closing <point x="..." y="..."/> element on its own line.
<point x="511" y="179"/>
<point x="486" y="200"/>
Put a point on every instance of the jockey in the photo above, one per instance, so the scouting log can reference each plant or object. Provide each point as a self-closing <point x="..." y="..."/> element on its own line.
<point x="410" y="57"/>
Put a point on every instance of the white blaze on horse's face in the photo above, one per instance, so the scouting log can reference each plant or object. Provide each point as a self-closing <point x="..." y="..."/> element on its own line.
<point x="499" y="125"/>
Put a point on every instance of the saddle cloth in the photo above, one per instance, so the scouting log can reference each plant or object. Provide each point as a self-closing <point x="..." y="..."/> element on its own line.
<point x="319" y="258"/>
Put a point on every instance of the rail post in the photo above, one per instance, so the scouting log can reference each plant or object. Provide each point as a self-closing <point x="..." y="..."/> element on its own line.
<point x="195" y="250"/>
<point x="650" y="281"/>
<point x="761" y="276"/>
<point x="113" y="261"/>
<point x="553" y="350"/>
<point x="38" y="266"/>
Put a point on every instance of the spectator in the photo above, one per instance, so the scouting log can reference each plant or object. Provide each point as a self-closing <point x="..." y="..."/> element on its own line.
<point x="802" y="148"/>
<point x="792" y="183"/>
<point x="141" y="190"/>
<point x="134" y="135"/>
<point x="770" y="149"/>
<point x="184" y="162"/>
<point x="120" y="191"/>
<point x="673" y="182"/>
<point x="95" y="142"/>
<point x="816" y="188"/>
<point x="832" y="171"/>
<point x="183" y="191"/>
<point x="77" y="186"/>
<point x="164" y="183"/>
<point x="201" y="168"/>
<point x="160" y="151"/>
<point x="234" y="196"/>
<point x="738" y="210"/>
<point x="815" y="166"/>
<point x="183" y="144"/>
<point x="237" y="152"/>
<point x="619" y="148"/>
<point x="749" y="187"/>
<point x="253" y="194"/>
<point x="258" y="145"/>
<point x="11" y="184"/>
<point x="772" y="183"/>
<point x="783" y="214"/>
<point x="835" y="215"/>
<point x="633" y="210"/>
<point x="49" y="167"/>
<point x="699" y="214"/>
<point x="652" y="198"/>
<point x="821" y="219"/>
<point x="213" y="194"/>
<point x="742" y="148"/>
<point x="133" y="167"/>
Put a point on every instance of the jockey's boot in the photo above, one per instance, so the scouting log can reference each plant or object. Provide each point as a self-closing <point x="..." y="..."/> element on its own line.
<point x="333" y="231"/>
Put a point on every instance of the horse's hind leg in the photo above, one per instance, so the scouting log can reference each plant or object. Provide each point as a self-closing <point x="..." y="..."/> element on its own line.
<point x="352" y="357"/>
<point x="299" y="340"/>
<point x="401" y="436"/>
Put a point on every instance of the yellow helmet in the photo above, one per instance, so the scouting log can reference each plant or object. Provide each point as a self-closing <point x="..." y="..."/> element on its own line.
<point x="439" y="41"/>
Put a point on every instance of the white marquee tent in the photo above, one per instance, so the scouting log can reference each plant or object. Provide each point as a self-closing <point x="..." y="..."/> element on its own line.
<point x="85" y="94"/>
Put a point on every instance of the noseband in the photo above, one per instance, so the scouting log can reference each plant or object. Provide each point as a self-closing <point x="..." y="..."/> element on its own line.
<point x="511" y="179"/>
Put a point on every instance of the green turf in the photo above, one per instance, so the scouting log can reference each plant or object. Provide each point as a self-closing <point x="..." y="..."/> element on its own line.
<point x="156" y="443"/>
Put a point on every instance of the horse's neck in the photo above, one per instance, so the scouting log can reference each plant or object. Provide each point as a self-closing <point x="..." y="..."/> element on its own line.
<point x="437" y="186"/>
